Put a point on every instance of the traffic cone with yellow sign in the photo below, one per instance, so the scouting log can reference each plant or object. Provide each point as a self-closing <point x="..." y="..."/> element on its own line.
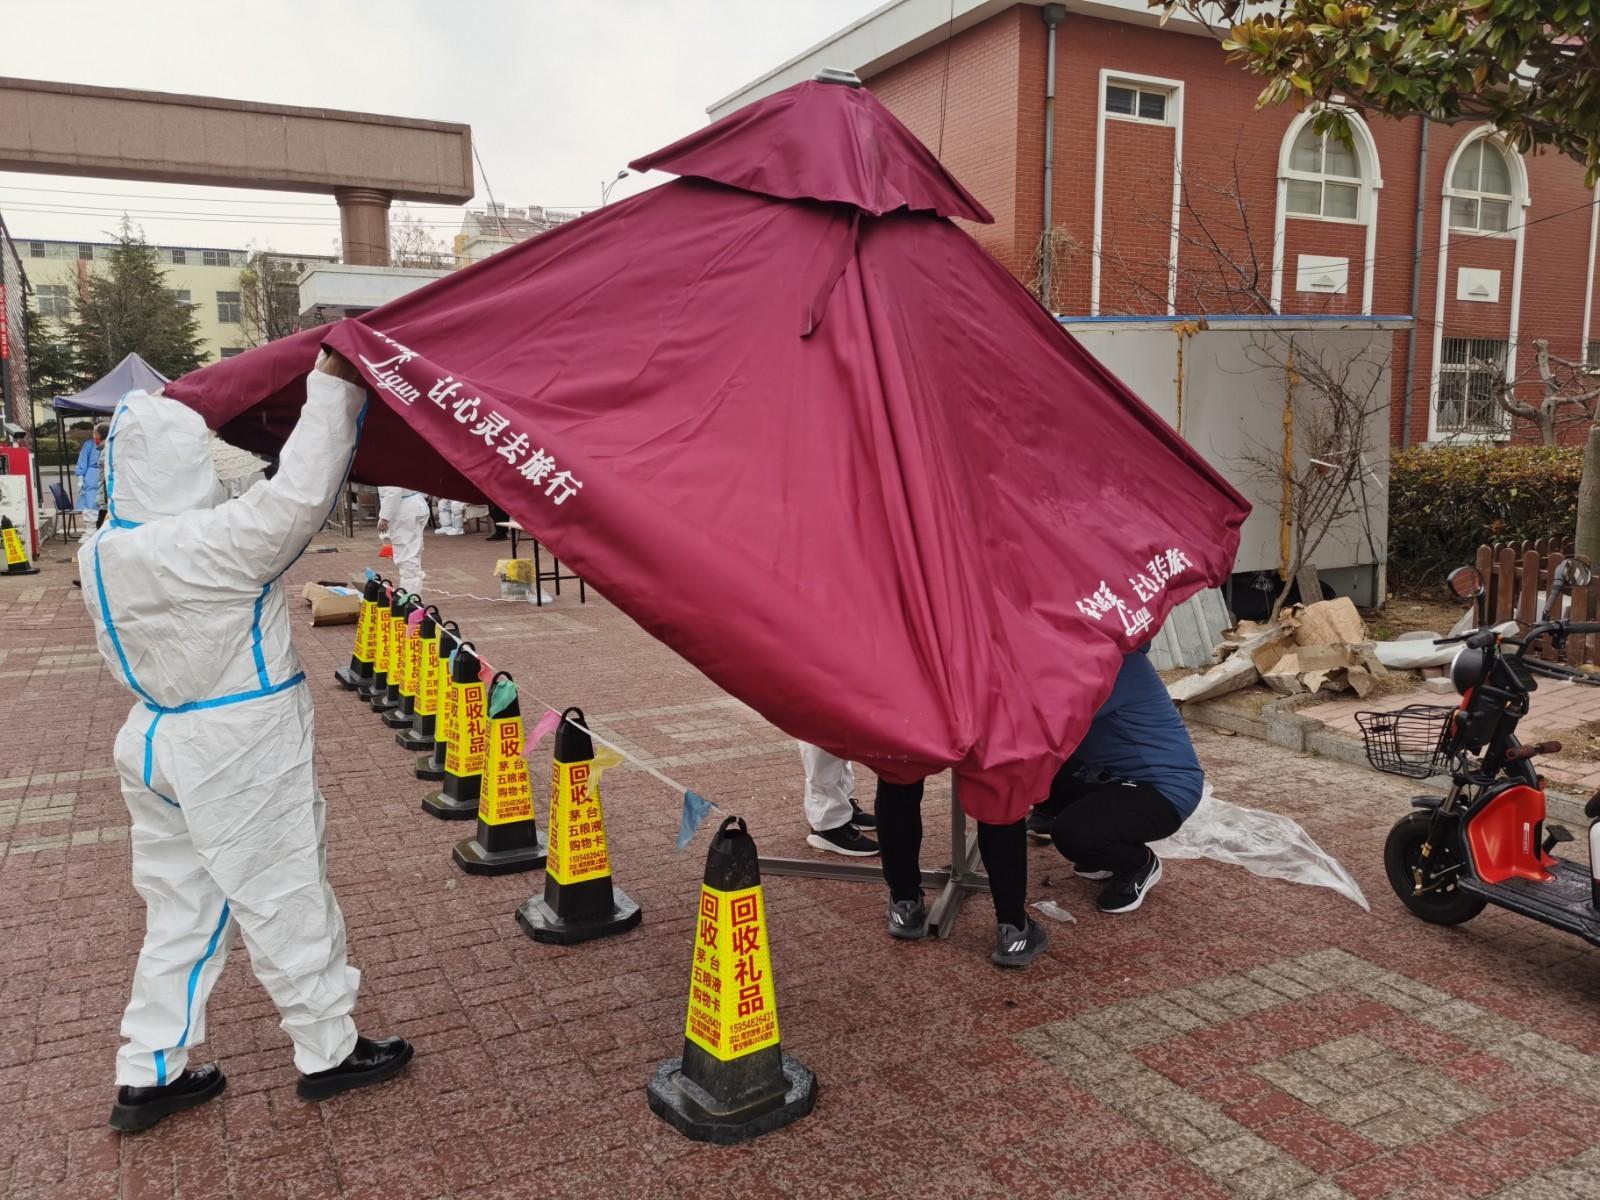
<point x="508" y="836"/>
<point x="360" y="669"/>
<point x="734" y="1082"/>
<point x="409" y="656"/>
<point x="467" y="730"/>
<point x="431" y="766"/>
<point x="393" y="624"/>
<point x="425" y="708"/>
<point x="16" y="550"/>
<point x="374" y="688"/>
<point x="579" y="902"/>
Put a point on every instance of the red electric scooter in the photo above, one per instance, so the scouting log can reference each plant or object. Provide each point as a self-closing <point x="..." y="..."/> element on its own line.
<point x="1486" y="841"/>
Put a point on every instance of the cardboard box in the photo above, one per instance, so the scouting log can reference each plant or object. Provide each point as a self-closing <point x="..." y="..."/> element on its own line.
<point x="332" y="603"/>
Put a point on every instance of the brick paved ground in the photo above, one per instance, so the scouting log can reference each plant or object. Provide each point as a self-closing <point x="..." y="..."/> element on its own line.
<point x="1235" y="1037"/>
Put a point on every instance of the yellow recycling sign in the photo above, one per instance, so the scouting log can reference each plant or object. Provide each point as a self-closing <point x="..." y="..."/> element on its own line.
<point x="366" y="643"/>
<point x="428" y="678"/>
<point x="469" y="737"/>
<point x="506" y="794"/>
<point x="732" y="1008"/>
<point x="15" y="552"/>
<point x="577" y="830"/>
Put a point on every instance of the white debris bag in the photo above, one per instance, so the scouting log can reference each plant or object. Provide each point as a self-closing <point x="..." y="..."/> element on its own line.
<point x="1263" y="843"/>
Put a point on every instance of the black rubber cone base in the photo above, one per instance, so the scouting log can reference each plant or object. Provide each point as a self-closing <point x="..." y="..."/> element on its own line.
<point x="397" y="719"/>
<point x="472" y="858"/>
<point x="540" y="922"/>
<point x="692" y="1111"/>
<point x="410" y="739"/>
<point x="382" y="704"/>
<point x="348" y="679"/>
<point x="22" y="570"/>
<point x="429" y="770"/>
<point x="442" y="806"/>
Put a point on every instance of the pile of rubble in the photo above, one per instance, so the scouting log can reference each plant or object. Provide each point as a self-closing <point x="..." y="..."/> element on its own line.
<point x="1318" y="649"/>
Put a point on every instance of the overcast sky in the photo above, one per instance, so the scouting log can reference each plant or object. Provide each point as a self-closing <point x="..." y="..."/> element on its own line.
<point x="560" y="94"/>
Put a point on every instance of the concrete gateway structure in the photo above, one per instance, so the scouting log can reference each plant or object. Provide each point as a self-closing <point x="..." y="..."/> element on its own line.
<point x="1168" y="192"/>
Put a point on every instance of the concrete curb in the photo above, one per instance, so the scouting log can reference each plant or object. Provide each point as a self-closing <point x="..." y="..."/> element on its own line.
<point x="1280" y="725"/>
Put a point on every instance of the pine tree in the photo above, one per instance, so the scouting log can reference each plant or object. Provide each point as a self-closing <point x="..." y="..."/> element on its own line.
<point x="128" y="309"/>
<point x="52" y="370"/>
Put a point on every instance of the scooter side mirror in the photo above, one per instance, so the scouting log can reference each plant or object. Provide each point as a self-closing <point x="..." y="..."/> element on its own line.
<point x="1569" y="573"/>
<point x="1465" y="583"/>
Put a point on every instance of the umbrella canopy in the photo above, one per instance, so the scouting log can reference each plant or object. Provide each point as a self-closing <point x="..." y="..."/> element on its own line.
<point x="132" y="374"/>
<point x="805" y="431"/>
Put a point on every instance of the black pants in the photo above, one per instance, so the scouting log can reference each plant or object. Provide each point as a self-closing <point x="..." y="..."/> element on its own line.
<point x="496" y="515"/>
<point x="1107" y="826"/>
<point x="1003" y="848"/>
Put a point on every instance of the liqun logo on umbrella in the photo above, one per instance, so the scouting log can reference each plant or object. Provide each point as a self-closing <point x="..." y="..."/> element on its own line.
<point x="513" y="445"/>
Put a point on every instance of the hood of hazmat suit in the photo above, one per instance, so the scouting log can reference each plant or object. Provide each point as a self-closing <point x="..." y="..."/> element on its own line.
<point x="215" y="759"/>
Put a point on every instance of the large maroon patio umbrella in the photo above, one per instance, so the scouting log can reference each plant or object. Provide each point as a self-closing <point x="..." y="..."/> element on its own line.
<point x="789" y="417"/>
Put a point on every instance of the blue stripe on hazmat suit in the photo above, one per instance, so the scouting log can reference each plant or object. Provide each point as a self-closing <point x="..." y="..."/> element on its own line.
<point x="215" y="758"/>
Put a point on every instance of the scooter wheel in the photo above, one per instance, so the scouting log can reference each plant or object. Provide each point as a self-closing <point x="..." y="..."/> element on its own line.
<point x="1402" y="853"/>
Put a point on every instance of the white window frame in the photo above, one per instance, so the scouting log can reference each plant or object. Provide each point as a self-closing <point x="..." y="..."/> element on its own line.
<point x="1139" y="90"/>
<point x="1521" y="200"/>
<point x="1466" y="370"/>
<point x="1452" y="193"/>
<point x="1174" y="89"/>
<point x="1322" y="179"/>
<point x="57" y="292"/>
<point x="1371" y="183"/>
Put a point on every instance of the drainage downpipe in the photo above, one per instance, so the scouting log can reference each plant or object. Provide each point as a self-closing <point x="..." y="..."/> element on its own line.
<point x="1416" y="290"/>
<point x="1053" y="15"/>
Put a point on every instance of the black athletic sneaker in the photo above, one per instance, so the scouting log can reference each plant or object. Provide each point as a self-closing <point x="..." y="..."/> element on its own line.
<point x="141" y="1107"/>
<point x="908" y="919"/>
<point x="860" y="817"/>
<point x="1015" y="947"/>
<point x="1039" y="822"/>
<point x="846" y="840"/>
<point x="1083" y="872"/>
<point x="1127" y="889"/>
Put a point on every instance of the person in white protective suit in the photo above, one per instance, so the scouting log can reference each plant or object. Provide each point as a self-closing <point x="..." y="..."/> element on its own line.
<point x="215" y="758"/>
<point x="403" y="515"/>
<point x="452" y="518"/>
<point x="835" y="818"/>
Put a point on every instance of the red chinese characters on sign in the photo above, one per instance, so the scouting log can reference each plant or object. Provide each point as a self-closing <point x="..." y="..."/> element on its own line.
<point x="732" y="1011"/>
<point x="577" y="830"/>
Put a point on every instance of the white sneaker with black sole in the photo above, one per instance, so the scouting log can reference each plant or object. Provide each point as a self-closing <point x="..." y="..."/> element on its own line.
<point x="846" y="840"/>
<point x="1127" y="889"/>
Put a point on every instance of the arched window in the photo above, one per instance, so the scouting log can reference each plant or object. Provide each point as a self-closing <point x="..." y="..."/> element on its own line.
<point x="1481" y="189"/>
<point x="1324" y="177"/>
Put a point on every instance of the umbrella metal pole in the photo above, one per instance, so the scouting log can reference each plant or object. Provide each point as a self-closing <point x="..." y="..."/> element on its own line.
<point x="955" y="882"/>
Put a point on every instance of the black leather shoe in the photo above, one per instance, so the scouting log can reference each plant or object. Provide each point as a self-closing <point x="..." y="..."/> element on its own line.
<point x="369" y="1063"/>
<point x="141" y="1107"/>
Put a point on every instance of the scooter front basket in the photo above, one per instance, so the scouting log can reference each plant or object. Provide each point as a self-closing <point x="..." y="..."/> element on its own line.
<point x="1411" y="741"/>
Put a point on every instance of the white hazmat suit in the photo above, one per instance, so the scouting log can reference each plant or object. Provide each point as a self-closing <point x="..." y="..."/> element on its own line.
<point x="830" y="782"/>
<point x="406" y="513"/>
<point x="216" y="756"/>
<point x="452" y="518"/>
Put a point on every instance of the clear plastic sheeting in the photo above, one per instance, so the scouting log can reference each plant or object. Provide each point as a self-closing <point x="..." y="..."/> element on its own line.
<point x="1055" y="912"/>
<point x="1263" y="843"/>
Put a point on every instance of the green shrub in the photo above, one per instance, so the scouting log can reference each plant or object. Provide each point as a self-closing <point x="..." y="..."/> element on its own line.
<point x="1445" y="502"/>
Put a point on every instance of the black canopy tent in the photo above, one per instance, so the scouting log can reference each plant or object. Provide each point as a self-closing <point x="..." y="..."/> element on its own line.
<point x="100" y="398"/>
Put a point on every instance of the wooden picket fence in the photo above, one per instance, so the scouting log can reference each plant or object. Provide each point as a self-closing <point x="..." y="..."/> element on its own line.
<point x="1516" y="573"/>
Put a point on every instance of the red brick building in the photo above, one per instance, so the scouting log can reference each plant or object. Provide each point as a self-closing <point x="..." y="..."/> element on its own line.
<point x="1170" y="192"/>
